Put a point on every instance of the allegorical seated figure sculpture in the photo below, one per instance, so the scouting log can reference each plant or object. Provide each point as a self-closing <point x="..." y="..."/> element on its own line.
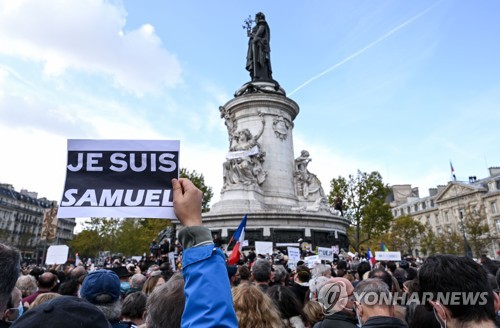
<point x="307" y="184"/>
<point x="244" y="160"/>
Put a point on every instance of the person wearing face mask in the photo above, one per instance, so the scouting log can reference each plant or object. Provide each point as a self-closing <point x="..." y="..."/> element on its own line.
<point x="374" y="307"/>
<point x="336" y="296"/>
<point x="14" y="309"/>
<point x="460" y="295"/>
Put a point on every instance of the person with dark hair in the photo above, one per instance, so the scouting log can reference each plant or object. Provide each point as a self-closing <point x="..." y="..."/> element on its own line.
<point x="10" y="260"/>
<point x="232" y="273"/>
<point x="382" y="275"/>
<point x="374" y="306"/>
<point x="133" y="310"/>
<point x="46" y="281"/>
<point x="289" y="307"/>
<point x="442" y="275"/>
<point x="391" y="266"/>
<point x="300" y="286"/>
<point x="69" y="288"/>
<point x="166" y="303"/>
<point x="423" y="317"/>
<point x="261" y="273"/>
<point x="63" y="311"/>
<point x="363" y="268"/>
<point x="244" y="273"/>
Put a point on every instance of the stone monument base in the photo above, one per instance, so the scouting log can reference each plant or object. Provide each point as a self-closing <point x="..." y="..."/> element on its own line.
<point x="283" y="228"/>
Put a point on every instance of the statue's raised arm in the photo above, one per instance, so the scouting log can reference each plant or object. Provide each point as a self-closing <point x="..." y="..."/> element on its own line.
<point x="259" y="50"/>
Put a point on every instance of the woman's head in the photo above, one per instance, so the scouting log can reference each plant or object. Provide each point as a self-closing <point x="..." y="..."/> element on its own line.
<point x="254" y="309"/>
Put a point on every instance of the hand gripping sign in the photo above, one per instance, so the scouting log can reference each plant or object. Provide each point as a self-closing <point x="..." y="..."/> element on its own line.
<point x="120" y="178"/>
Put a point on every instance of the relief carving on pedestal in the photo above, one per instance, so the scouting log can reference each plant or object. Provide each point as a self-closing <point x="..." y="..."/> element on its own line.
<point x="280" y="127"/>
<point x="243" y="165"/>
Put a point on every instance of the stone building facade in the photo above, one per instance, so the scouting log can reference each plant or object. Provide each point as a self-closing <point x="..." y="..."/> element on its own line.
<point x="21" y="219"/>
<point x="446" y="207"/>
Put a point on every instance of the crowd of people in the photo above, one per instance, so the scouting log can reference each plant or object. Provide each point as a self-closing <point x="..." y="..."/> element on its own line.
<point x="260" y="291"/>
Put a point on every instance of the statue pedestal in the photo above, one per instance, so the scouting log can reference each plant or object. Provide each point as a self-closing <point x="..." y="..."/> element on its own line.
<point x="277" y="206"/>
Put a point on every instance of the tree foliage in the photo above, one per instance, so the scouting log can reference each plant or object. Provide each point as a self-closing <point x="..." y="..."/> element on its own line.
<point x="476" y="229"/>
<point x="405" y="232"/>
<point x="364" y="203"/>
<point x="199" y="181"/>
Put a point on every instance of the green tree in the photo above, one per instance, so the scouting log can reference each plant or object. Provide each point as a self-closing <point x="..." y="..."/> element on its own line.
<point x="199" y="181"/>
<point x="476" y="229"/>
<point x="450" y="242"/>
<point x="428" y="242"/>
<point x="405" y="232"/>
<point x="364" y="203"/>
<point x="87" y="244"/>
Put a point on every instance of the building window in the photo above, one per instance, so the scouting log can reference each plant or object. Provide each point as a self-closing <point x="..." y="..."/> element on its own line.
<point x="415" y="207"/>
<point x="497" y="224"/>
<point x="494" y="207"/>
<point x="432" y="202"/>
<point x="428" y="220"/>
<point x="423" y="206"/>
<point x="437" y="219"/>
<point x="447" y="216"/>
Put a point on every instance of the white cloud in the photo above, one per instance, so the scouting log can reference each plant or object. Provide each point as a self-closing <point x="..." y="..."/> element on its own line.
<point x="87" y="35"/>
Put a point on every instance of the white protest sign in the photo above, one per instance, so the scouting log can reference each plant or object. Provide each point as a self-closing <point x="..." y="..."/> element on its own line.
<point x="244" y="243"/>
<point x="293" y="254"/>
<point x="388" y="256"/>
<point x="171" y="260"/>
<point x="263" y="247"/>
<point x="312" y="260"/>
<point x="57" y="254"/>
<point x="325" y="254"/>
<point x="335" y="249"/>
<point x="120" y="178"/>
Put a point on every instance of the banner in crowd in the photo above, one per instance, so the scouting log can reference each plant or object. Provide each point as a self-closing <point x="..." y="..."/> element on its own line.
<point x="325" y="253"/>
<point x="263" y="247"/>
<point x="335" y="249"/>
<point x="293" y="254"/>
<point x="120" y="178"/>
<point x="311" y="261"/>
<point x="57" y="254"/>
<point x="388" y="256"/>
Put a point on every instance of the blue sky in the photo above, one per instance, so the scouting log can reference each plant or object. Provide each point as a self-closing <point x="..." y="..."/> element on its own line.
<point x="401" y="87"/>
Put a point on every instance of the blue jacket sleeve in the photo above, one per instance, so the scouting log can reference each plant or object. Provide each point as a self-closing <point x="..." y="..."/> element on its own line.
<point x="206" y="285"/>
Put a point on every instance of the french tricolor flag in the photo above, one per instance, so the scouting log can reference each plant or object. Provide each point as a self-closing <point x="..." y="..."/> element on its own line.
<point x="239" y="236"/>
<point x="370" y="257"/>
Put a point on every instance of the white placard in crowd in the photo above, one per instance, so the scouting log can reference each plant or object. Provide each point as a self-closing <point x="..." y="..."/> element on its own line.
<point x="57" y="254"/>
<point x="293" y="254"/>
<point x="244" y="243"/>
<point x="388" y="256"/>
<point x="335" y="249"/>
<point x="312" y="260"/>
<point x="120" y="178"/>
<point x="325" y="254"/>
<point x="171" y="260"/>
<point x="263" y="247"/>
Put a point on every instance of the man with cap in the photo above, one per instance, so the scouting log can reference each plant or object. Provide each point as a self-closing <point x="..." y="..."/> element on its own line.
<point x="102" y="288"/>
<point x="63" y="312"/>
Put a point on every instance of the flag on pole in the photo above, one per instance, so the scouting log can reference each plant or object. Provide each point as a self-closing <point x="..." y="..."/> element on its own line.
<point x="453" y="172"/>
<point x="239" y="236"/>
<point x="370" y="257"/>
<point x="384" y="248"/>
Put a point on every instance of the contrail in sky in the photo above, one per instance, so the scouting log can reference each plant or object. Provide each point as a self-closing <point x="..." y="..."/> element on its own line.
<point x="359" y="52"/>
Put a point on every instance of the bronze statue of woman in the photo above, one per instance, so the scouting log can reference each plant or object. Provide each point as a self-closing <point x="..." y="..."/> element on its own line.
<point x="259" y="51"/>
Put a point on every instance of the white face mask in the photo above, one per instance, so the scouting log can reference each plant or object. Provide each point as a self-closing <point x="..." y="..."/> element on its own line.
<point x="360" y="323"/>
<point x="442" y="323"/>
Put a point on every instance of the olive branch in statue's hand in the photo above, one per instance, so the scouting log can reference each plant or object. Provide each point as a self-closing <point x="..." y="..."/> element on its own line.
<point x="248" y="24"/>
